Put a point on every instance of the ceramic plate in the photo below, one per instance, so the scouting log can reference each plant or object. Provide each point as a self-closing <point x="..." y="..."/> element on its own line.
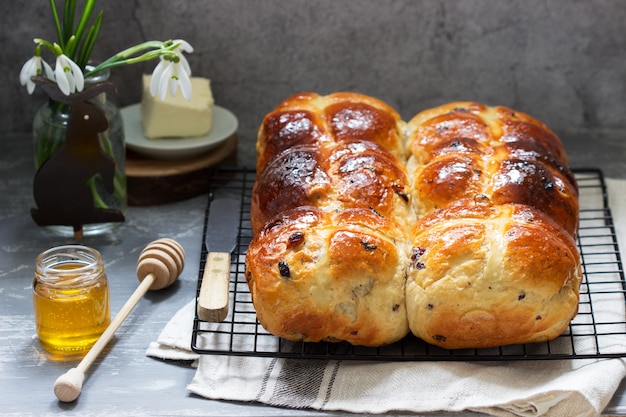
<point x="223" y="127"/>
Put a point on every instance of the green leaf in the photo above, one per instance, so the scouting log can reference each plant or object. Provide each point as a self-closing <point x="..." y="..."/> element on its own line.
<point x="57" y="23"/>
<point x="68" y="20"/>
<point x="90" y="40"/>
<point x="82" y="24"/>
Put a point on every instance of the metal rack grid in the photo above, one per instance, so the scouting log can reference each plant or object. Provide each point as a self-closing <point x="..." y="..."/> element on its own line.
<point x="598" y="331"/>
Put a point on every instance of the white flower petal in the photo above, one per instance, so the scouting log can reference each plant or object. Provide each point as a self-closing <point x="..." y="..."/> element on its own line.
<point x="164" y="81"/>
<point x="71" y="82"/>
<point x="33" y="67"/>
<point x="185" y="64"/>
<point x="185" y="85"/>
<point x="48" y="70"/>
<point x="174" y="79"/>
<point x="68" y="75"/>
<point x="77" y="75"/>
<point x="173" y="86"/>
<point x="27" y="71"/>
<point x="156" y="77"/>
<point x="60" y="76"/>
<point x="184" y="45"/>
<point x="30" y="71"/>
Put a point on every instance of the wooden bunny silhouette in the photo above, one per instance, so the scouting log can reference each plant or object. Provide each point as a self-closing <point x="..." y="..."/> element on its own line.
<point x="59" y="187"/>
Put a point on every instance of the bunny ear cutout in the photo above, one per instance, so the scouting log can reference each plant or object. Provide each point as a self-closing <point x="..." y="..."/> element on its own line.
<point x="89" y="92"/>
<point x="51" y="88"/>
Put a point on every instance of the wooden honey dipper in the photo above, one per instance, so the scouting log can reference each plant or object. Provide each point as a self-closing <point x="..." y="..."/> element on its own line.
<point x="159" y="266"/>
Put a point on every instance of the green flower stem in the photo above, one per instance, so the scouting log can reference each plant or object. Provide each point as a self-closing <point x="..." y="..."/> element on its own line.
<point x="50" y="138"/>
<point x="97" y="200"/>
<point x="127" y="56"/>
<point x="42" y="42"/>
<point x="48" y="143"/>
<point x="57" y="23"/>
<point x="119" y="184"/>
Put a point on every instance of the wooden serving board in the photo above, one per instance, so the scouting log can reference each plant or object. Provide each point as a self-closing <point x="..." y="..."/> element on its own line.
<point x="158" y="181"/>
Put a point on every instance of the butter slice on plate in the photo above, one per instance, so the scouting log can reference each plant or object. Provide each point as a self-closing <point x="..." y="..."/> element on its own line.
<point x="175" y="117"/>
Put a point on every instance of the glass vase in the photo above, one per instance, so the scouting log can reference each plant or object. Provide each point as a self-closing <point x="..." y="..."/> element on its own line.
<point x="50" y="127"/>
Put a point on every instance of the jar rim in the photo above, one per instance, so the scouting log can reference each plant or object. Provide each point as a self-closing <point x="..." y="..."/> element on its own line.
<point x="100" y="76"/>
<point x="86" y="265"/>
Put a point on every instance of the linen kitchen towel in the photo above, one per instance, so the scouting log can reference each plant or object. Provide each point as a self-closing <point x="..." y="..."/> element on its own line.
<point x="581" y="387"/>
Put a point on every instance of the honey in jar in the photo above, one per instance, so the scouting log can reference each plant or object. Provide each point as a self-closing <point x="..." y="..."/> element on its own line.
<point x="71" y="299"/>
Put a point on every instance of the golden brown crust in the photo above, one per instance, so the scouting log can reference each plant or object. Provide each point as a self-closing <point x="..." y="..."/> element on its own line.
<point x="462" y="149"/>
<point x="295" y="177"/>
<point x="317" y="275"/>
<point x="339" y="175"/>
<point x="485" y="275"/>
<point x="338" y="252"/>
<point x="308" y="118"/>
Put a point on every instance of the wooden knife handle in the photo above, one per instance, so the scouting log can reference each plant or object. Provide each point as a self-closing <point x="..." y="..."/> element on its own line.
<point x="213" y="298"/>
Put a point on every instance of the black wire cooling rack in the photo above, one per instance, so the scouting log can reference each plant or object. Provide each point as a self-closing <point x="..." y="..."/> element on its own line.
<point x="598" y="331"/>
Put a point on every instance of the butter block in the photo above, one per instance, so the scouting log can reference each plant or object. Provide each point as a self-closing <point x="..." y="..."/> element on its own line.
<point x="175" y="117"/>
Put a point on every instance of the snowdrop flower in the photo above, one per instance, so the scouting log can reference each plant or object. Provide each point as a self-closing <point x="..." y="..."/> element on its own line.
<point x="172" y="72"/>
<point x="169" y="75"/>
<point x="75" y="44"/>
<point x="34" y="67"/>
<point x="73" y="52"/>
<point x="68" y="75"/>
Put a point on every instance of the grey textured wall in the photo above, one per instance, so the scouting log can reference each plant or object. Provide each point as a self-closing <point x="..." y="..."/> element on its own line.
<point x="560" y="60"/>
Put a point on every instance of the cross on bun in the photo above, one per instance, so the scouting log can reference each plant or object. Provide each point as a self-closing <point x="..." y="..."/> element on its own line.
<point x="458" y="226"/>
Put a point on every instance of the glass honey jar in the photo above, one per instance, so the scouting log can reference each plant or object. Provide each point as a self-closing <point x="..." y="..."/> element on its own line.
<point x="71" y="299"/>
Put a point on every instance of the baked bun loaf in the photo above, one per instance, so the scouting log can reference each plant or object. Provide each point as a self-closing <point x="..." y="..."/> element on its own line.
<point x="330" y="213"/>
<point x="485" y="275"/>
<point x="458" y="226"/>
<point x="318" y="274"/>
